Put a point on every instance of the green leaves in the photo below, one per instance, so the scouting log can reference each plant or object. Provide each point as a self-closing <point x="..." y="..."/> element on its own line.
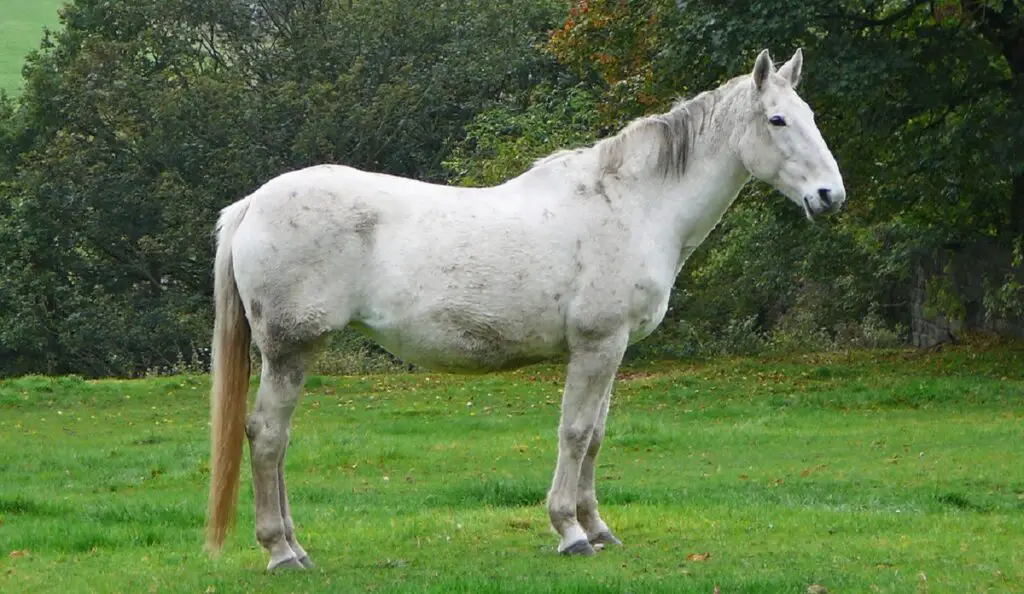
<point x="920" y="101"/>
<point x="140" y="120"/>
<point x="504" y="141"/>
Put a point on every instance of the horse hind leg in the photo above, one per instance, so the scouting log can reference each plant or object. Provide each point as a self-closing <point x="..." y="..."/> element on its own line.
<point x="267" y="428"/>
<point x="598" y="533"/>
<point x="286" y="517"/>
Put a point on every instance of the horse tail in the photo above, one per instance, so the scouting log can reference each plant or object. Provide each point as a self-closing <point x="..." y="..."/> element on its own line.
<point x="230" y="369"/>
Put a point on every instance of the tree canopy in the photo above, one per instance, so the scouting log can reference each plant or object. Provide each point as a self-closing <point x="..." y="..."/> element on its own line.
<point x="140" y="119"/>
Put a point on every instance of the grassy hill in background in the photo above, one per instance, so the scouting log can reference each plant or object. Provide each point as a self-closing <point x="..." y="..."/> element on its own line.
<point x="21" y="28"/>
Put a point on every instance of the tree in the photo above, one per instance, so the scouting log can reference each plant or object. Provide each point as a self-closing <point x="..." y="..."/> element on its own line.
<point x="915" y="98"/>
<point x="141" y="119"/>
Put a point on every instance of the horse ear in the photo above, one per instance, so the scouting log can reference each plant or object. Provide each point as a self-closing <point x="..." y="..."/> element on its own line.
<point x="791" y="69"/>
<point x="762" y="68"/>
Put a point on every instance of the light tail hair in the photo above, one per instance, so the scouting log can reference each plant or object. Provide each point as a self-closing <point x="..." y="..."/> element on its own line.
<point x="230" y="370"/>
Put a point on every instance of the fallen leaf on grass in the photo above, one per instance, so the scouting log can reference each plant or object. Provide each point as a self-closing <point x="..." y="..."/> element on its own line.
<point x="520" y="523"/>
<point x="16" y="554"/>
<point x="698" y="556"/>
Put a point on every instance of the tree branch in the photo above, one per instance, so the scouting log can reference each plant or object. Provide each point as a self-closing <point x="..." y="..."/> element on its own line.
<point x="866" y="22"/>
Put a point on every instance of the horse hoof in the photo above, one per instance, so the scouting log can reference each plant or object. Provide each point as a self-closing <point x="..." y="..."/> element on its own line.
<point x="307" y="562"/>
<point x="289" y="563"/>
<point x="605" y="538"/>
<point x="580" y="547"/>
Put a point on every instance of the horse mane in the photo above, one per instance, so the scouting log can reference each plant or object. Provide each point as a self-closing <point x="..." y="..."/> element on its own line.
<point x="671" y="134"/>
<point x="555" y="156"/>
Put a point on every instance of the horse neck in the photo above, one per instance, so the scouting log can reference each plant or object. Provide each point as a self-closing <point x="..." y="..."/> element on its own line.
<point x="684" y="209"/>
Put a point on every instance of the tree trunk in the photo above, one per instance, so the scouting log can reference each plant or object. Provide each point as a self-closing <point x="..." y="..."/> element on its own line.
<point x="1003" y="27"/>
<point x="1017" y="204"/>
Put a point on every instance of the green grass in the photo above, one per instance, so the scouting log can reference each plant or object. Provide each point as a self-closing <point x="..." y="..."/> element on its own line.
<point x="21" y="29"/>
<point x="864" y="472"/>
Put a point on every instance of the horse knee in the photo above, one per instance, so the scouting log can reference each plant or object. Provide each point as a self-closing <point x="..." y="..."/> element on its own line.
<point x="266" y="437"/>
<point x="576" y="439"/>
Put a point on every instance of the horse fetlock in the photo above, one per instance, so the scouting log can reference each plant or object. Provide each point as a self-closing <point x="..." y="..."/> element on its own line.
<point x="299" y="551"/>
<point x="560" y="513"/>
<point x="591" y="522"/>
<point x="293" y="542"/>
<point x="271" y="535"/>
<point x="605" y="537"/>
<point x="281" y="554"/>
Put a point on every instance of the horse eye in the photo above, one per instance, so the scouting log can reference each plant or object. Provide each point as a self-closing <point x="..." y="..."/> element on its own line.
<point x="777" y="120"/>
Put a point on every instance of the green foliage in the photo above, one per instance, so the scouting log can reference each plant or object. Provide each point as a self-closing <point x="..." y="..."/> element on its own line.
<point x="916" y="99"/>
<point x="141" y="119"/>
<point x="505" y="140"/>
<point x="1006" y="297"/>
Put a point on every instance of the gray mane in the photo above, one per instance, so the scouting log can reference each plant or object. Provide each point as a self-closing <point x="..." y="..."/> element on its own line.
<point x="555" y="156"/>
<point x="671" y="134"/>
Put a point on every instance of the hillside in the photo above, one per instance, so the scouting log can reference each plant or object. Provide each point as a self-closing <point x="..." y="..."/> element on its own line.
<point x="21" y="28"/>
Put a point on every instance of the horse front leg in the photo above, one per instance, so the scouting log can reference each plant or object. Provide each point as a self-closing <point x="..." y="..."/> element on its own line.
<point x="597" y="531"/>
<point x="590" y="373"/>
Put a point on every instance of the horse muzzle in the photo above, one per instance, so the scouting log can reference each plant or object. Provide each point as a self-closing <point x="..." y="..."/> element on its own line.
<point x="826" y="200"/>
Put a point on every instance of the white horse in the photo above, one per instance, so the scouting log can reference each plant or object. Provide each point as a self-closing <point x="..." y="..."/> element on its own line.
<point x="574" y="259"/>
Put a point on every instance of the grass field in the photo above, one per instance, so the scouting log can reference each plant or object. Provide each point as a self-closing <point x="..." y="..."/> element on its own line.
<point x="21" y="28"/>
<point x="864" y="472"/>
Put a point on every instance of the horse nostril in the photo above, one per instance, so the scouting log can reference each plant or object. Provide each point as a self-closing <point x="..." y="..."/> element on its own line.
<point x="823" y="193"/>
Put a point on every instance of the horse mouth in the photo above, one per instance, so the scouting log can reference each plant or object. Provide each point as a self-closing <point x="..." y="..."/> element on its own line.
<point x="807" y="209"/>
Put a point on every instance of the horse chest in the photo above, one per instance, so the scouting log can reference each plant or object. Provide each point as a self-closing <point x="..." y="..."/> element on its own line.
<point x="648" y="304"/>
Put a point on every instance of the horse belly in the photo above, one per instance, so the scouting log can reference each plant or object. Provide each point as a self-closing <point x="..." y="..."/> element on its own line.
<point x="467" y="340"/>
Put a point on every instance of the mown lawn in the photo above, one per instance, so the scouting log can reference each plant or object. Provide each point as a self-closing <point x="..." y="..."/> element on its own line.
<point x="864" y="472"/>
